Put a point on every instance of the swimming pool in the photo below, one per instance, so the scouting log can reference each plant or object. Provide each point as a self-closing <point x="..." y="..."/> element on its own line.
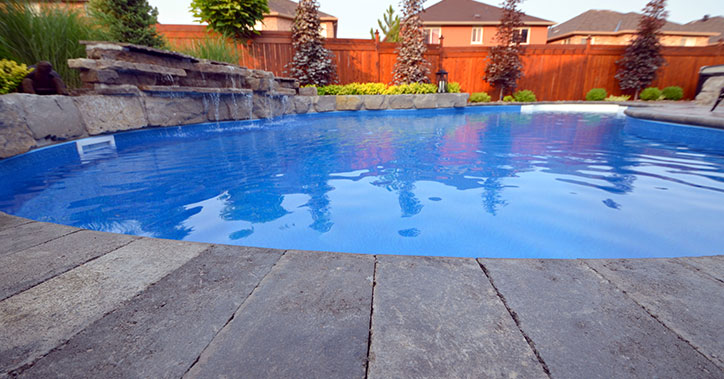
<point x="476" y="182"/>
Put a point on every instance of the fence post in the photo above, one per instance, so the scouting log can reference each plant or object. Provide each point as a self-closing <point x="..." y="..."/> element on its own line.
<point x="377" y="50"/>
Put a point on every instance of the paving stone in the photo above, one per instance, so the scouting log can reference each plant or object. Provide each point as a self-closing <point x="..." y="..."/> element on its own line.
<point x="105" y="114"/>
<point x="9" y="221"/>
<point x="35" y="321"/>
<point x="26" y="268"/>
<point x="713" y="266"/>
<point x="309" y="318"/>
<point x="441" y="318"/>
<point x="160" y="332"/>
<point x="23" y="236"/>
<point x="689" y="303"/>
<point x="583" y="327"/>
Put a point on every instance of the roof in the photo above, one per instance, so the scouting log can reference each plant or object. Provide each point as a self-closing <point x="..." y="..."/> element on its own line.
<point x="469" y="12"/>
<point x="288" y="8"/>
<point x="608" y="22"/>
<point x="707" y="24"/>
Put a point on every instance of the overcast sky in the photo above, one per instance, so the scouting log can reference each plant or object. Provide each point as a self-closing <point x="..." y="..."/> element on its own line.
<point x="356" y="17"/>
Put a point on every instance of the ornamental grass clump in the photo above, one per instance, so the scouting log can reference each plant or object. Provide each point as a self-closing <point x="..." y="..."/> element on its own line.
<point x="215" y="48"/>
<point x="596" y="94"/>
<point x="618" y="98"/>
<point x="11" y="75"/>
<point x="49" y="34"/>
<point x="673" y="93"/>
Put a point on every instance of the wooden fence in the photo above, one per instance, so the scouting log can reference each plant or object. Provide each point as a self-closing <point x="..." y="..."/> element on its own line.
<point x="553" y="72"/>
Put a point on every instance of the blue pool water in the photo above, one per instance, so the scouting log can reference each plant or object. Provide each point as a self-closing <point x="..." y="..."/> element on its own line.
<point x="482" y="182"/>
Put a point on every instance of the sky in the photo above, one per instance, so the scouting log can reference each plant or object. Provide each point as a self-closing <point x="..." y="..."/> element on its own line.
<point x="356" y="17"/>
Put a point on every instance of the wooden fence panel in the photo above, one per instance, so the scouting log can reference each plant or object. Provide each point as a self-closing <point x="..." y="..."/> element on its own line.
<point x="553" y="72"/>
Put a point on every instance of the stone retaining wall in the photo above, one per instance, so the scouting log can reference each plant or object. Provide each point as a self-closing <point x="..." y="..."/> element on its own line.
<point x="31" y="121"/>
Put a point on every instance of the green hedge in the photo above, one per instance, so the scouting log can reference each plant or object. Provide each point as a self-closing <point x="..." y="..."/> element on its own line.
<point x="383" y="89"/>
<point x="651" y="93"/>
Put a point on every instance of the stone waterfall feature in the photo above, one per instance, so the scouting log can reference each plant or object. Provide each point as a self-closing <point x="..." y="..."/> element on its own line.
<point x="178" y="89"/>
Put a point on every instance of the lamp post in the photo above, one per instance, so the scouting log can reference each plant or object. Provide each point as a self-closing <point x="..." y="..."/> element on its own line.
<point x="441" y="77"/>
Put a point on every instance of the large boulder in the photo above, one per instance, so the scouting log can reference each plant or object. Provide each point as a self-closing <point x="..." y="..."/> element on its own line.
<point x="349" y="103"/>
<point x="106" y="114"/>
<point x="15" y="137"/>
<point x="52" y="118"/>
<point x="173" y="110"/>
<point x="401" y="101"/>
<point x="324" y="103"/>
<point x="710" y="91"/>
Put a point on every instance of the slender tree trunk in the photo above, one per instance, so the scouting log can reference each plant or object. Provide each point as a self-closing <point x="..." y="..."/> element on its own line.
<point x="500" y="97"/>
<point x="636" y="94"/>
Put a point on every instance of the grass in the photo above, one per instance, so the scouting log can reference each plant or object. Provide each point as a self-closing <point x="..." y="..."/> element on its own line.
<point x="50" y="34"/>
<point x="215" y="48"/>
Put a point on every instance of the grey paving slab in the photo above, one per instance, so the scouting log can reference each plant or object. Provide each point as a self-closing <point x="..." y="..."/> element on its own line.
<point x="35" y="321"/>
<point x="162" y="331"/>
<point x="713" y="266"/>
<point x="583" y="327"/>
<point x="441" y="318"/>
<point x="26" y="268"/>
<point x="8" y="221"/>
<point x="23" y="236"/>
<point x="687" y="302"/>
<point x="309" y="318"/>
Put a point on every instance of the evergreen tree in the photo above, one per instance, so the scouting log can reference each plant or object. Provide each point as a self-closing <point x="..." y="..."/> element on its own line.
<point x="389" y="25"/>
<point x="411" y="66"/>
<point x="505" y="65"/>
<point x="131" y="21"/>
<point x="637" y="69"/>
<point x="232" y="18"/>
<point x="312" y="62"/>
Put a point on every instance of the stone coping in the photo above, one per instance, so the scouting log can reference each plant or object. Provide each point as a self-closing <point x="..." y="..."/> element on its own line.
<point x="688" y="113"/>
<point x="126" y="306"/>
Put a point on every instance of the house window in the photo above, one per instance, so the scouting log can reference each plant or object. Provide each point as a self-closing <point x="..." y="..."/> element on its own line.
<point x="432" y="35"/>
<point x="323" y="30"/>
<point x="522" y="35"/>
<point x="688" y="42"/>
<point x="477" y="37"/>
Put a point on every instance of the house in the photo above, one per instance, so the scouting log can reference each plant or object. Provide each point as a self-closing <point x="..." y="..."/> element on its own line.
<point x="607" y="27"/>
<point x="281" y="16"/>
<point x="708" y="24"/>
<point x="472" y="23"/>
<point x="80" y="5"/>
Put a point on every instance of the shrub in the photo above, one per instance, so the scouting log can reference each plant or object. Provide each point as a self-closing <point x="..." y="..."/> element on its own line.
<point x="312" y="62"/>
<point x="618" y="98"/>
<point x="525" y="96"/>
<point x="453" y="87"/>
<point x="214" y="48"/>
<point x="596" y="94"/>
<point x="411" y="65"/>
<point x="11" y="75"/>
<point x="376" y="89"/>
<point x="508" y="99"/>
<point x="480" y="97"/>
<point x="232" y="18"/>
<point x="50" y="34"/>
<point x="673" y="93"/>
<point x="651" y="93"/>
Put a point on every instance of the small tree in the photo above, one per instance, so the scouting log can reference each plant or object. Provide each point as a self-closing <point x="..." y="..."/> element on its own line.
<point x="505" y="66"/>
<point x="389" y="25"/>
<point x="131" y="21"/>
<point x="312" y="62"/>
<point x="232" y="18"/>
<point x="411" y="66"/>
<point x="637" y="69"/>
